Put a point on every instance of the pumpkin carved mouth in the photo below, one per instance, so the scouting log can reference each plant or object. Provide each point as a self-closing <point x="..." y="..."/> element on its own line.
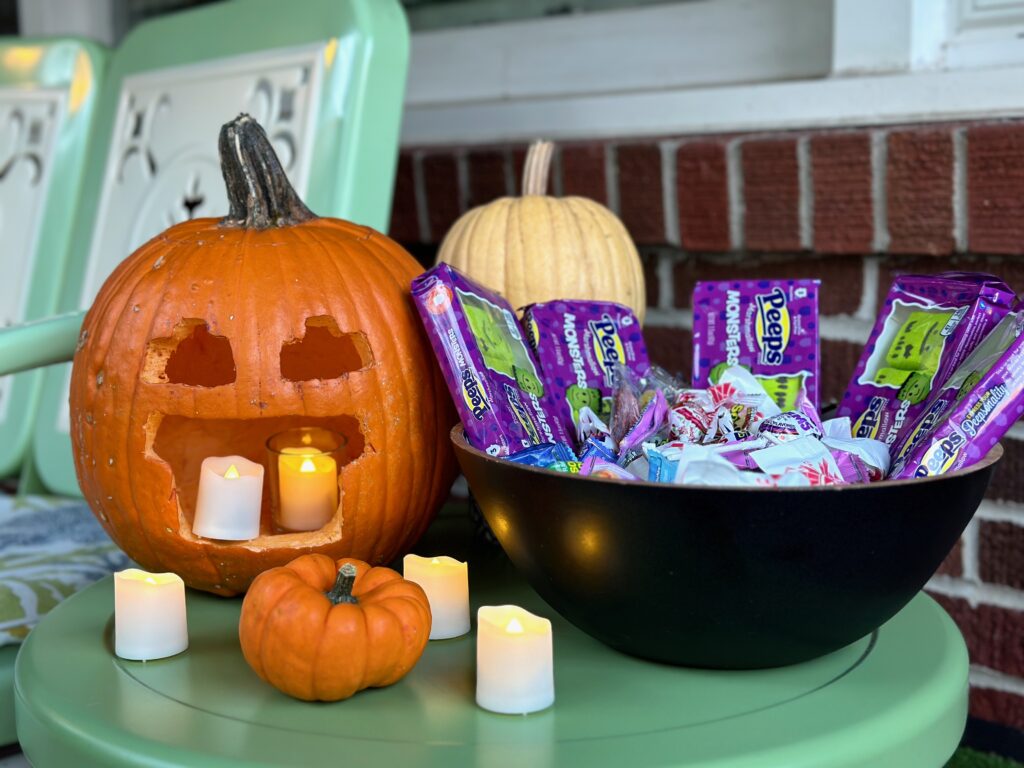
<point x="181" y="443"/>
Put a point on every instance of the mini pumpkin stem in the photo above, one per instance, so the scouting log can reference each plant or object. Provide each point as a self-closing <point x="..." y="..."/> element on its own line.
<point x="259" y="193"/>
<point x="537" y="167"/>
<point x="341" y="592"/>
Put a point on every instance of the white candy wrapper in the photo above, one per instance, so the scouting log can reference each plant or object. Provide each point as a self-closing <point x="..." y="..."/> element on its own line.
<point x="806" y="455"/>
<point x="841" y="428"/>
<point x="874" y="453"/>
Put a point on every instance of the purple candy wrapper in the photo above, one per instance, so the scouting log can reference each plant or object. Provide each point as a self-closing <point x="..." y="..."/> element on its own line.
<point x="490" y="372"/>
<point x="770" y="327"/>
<point x="577" y="345"/>
<point x="928" y="326"/>
<point x="974" y="423"/>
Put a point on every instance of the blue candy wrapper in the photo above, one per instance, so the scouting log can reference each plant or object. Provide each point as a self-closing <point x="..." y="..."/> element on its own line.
<point x="556" y="456"/>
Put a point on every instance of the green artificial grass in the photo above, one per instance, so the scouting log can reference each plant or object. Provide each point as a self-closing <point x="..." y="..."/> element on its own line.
<point x="969" y="758"/>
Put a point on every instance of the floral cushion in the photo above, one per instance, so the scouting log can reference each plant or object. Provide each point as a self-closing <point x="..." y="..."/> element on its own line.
<point x="49" y="549"/>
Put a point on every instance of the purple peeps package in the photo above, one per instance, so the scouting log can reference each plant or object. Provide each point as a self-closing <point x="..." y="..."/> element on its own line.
<point x="769" y="327"/>
<point x="984" y="357"/>
<point x="577" y="345"/>
<point x="974" y="423"/>
<point x="928" y="326"/>
<point x="490" y="372"/>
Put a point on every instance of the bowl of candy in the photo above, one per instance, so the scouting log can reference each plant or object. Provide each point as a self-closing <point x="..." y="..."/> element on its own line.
<point x="721" y="522"/>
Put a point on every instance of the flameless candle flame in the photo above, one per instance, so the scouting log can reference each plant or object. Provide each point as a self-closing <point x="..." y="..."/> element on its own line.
<point x="232" y="473"/>
<point x="514" y="627"/>
<point x="435" y="561"/>
<point x="308" y="466"/>
<point x="150" y="580"/>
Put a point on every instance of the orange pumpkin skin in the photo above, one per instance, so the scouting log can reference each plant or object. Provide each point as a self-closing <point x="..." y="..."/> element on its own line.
<point x="139" y="437"/>
<point x="298" y="641"/>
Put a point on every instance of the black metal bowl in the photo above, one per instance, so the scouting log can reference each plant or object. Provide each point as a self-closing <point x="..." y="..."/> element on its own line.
<point x="729" y="578"/>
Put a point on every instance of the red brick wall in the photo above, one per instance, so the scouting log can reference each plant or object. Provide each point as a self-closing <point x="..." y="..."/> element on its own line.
<point x="852" y="207"/>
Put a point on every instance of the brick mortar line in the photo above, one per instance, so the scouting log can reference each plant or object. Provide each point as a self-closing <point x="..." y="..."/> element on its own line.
<point x="462" y="179"/>
<point x="419" y="187"/>
<point x="983" y="677"/>
<point x="734" y="188"/>
<point x="556" y="182"/>
<point x="999" y="511"/>
<point x="666" y="286"/>
<point x="879" y="207"/>
<point x="970" y="552"/>
<point x="669" y="201"/>
<point x="611" y="176"/>
<point x="868" y="308"/>
<point x="960" y="218"/>
<point x="805" y="191"/>
<point x="845" y="328"/>
<point x="671" y="318"/>
<point x="977" y="593"/>
<point x="508" y="165"/>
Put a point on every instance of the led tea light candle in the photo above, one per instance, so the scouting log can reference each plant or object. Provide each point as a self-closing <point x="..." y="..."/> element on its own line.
<point x="230" y="495"/>
<point x="304" y="468"/>
<point x="149" y="615"/>
<point x="514" y="660"/>
<point x="446" y="582"/>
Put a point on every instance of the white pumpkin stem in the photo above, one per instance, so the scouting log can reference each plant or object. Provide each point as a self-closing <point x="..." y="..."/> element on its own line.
<point x="537" y="167"/>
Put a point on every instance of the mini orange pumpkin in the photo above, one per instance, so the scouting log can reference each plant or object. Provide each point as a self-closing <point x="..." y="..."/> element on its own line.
<point x="321" y="631"/>
<point x="215" y="335"/>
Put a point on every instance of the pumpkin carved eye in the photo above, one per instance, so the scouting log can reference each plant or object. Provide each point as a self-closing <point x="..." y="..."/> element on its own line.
<point x="191" y="355"/>
<point x="324" y="352"/>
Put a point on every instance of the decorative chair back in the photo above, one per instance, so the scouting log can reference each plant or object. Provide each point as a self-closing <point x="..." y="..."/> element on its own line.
<point x="48" y="95"/>
<point x="325" y="78"/>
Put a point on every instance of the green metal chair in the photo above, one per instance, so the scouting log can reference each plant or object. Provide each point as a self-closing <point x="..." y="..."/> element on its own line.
<point x="326" y="79"/>
<point x="48" y="95"/>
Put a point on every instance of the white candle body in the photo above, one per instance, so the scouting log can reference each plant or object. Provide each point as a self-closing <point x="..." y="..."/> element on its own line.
<point x="446" y="582"/>
<point x="514" y="660"/>
<point x="308" y="489"/>
<point x="149" y="615"/>
<point x="229" y="507"/>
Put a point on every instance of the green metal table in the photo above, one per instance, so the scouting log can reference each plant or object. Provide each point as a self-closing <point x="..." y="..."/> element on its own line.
<point x="895" y="699"/>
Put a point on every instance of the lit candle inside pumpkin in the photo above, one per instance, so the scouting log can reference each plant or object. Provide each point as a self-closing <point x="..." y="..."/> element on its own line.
<point x="308" y="488"/>
<point x="446" y="582"/>
<point x="514" y="660"/>
<point x="149" y="615"/>
<point x="229" y="500"/>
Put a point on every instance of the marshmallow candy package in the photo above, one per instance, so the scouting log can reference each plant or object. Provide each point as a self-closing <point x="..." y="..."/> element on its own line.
<point x="578" y="345"/>
<point x="491" y="374"/>
<point x="769" y="327"/>
<point x="928" y="326"/>
<point x="987" y="402"/>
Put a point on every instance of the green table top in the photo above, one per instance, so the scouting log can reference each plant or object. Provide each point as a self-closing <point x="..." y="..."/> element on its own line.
<point x="897" y="698"/>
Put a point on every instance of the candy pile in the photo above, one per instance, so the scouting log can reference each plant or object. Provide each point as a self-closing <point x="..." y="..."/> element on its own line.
<point x="571" y="388"/>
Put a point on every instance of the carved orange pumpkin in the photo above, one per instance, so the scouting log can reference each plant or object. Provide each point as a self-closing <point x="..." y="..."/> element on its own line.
<point x="321" y="631"/>
<point x="215" y="335"/>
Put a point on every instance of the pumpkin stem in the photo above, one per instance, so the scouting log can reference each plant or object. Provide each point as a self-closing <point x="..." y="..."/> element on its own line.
<point x="537" y="167"/>
<point x="259" y="193"/>
<point x="341" y="592"/>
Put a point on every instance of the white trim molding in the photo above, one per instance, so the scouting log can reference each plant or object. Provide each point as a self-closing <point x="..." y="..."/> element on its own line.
<point x="868" y="100"/>
<point x="717" y="66"/>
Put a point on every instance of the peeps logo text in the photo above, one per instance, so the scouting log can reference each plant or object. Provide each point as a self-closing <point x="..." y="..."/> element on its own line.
<point x="868" y="423"/>
<point x="473" y="394"/>
<point x="772" y="326"/>
<point x="922" y="427"/>
<point x="608" y="349"/>
<point x="940" y="456"/>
